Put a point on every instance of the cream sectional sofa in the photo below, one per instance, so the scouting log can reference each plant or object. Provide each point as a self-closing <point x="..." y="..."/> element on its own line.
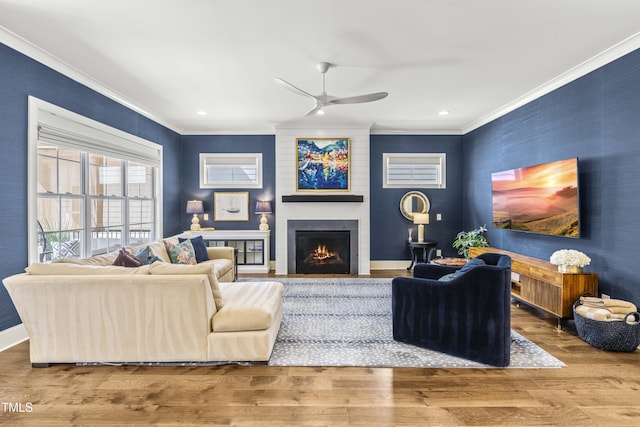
<point x="162" y="312"/>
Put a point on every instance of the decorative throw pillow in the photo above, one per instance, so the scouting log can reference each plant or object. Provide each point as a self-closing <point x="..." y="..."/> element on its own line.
<point x="146" y="257"/>
<point x="126" y="259"/>
<point x="472" y="263"/>
<point x="159" y="249"/>
<point x="181" y="253"/>
<point x="447" y="277"/>
<point x="68" y="249"/>
<point x="199" y="246"/>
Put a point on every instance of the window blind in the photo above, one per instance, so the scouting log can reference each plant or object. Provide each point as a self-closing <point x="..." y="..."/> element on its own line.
<point x="414" y="170"/>
<point x="230" y="170"/>
<point x="65" y="133"/>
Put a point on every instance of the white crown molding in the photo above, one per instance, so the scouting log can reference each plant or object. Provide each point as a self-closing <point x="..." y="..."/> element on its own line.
<point x="253" y="131"/>
<point x="27" y="48"/>
<point x="399" y="131"/>
<point x="321" y="123"/>
<point x="615" y="52"/>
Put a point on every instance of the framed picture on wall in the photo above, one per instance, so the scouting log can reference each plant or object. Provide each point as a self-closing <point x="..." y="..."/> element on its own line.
<point x="323" y="164"/>
<point x="231" y="206"/>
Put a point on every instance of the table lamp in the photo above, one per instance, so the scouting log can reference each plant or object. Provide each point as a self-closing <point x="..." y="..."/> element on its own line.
<point x="263" y="208"/>
<point x="420" y="219"/>
<point x="195" y="207"/>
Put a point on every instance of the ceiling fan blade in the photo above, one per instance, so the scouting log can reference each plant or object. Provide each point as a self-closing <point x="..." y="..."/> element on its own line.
<point x="292" y="88"/>
<point x="315" y="110"/>
<point x="360" y="98"/>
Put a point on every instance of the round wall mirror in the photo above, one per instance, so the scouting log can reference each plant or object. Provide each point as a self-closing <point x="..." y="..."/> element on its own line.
<point x="414" y="202"/>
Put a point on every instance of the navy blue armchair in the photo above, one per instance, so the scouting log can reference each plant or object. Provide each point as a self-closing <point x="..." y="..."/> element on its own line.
<point x="467" y="316"/>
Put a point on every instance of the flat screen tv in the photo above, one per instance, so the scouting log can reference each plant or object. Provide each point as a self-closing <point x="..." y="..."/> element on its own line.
<point x="539" y="199"/>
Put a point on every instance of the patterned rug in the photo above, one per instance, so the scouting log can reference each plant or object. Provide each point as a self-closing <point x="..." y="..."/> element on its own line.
<point x="347" y="322"/>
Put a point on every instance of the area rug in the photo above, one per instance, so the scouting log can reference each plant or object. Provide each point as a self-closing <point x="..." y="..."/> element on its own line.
<point x="347" y="322"/>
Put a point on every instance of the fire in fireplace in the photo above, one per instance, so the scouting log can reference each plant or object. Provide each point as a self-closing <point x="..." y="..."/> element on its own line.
<point x="322" y="252"/>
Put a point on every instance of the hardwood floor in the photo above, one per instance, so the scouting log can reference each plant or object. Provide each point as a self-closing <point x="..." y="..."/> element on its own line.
<point x="595" y="389"/>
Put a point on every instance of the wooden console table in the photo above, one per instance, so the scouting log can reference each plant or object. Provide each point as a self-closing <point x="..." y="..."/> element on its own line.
<point x="538" y="283"/>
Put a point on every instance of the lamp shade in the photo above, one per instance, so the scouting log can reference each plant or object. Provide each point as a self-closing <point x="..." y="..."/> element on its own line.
<point x="195" y="207"/>
<point x="263" y="207"/>
<point x="420" y="218"/>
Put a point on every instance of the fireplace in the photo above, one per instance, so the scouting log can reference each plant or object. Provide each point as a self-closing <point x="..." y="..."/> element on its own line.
<point x="322" y="252"/>
<point x="322" y="246"/>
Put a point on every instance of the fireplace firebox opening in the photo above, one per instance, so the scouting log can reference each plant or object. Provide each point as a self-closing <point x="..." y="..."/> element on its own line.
<point x="322" y="252"/>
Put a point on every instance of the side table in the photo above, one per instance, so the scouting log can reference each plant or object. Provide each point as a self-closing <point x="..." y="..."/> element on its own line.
<point x="421" y="252"/>
<point x="450" y="262"/>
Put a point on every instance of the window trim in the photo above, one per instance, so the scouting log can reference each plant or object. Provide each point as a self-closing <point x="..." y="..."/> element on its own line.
<point x="97" y="133"/>
<point x="438" y="160"/>
<point x="227" y="158"/>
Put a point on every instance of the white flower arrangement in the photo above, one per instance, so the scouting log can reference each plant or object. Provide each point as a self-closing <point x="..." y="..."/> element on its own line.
<point x="570" y="257"/>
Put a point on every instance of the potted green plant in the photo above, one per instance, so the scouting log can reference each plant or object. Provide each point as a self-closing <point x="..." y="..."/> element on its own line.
<point x="470" y="239"/>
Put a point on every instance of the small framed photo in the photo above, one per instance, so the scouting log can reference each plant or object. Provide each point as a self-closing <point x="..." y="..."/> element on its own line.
<point x="323" y="164"/>
<point x="231" y="206"/>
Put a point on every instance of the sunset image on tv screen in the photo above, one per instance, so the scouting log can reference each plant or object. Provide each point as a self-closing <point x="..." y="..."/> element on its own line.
<point x="538" y="199"/>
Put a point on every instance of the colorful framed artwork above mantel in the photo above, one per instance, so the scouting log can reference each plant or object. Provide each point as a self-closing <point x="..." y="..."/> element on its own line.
<point x="323" y="164"/>
<point x="231" y="206"/>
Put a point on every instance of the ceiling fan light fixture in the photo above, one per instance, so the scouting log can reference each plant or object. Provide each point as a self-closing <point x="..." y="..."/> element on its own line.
<point x="324" y="99"/>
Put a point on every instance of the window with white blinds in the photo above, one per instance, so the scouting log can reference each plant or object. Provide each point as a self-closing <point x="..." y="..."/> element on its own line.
<point x="230" y="170"/>
<point x="92" y="188"/>
<point x="414" y="170"/>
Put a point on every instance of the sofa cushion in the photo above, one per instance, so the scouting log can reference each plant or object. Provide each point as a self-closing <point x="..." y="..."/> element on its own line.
<point x="145" y="255"/>
<point x="179" y="269"/>
<point x="158" y="249"/>
<point x="181" y="253"/>
<point x="220" y="265"/>
<point x="105" y="259"/>
<point x="126" y="259"/>
<point x="447" y="277"/>
<point x="249" y="306"/>
<point x="81" y="269"/>
<point x="199" y="246"/>
<point x="472" y="263"/>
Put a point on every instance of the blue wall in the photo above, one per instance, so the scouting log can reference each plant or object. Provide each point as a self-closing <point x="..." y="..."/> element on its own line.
<point x="20" y="77"/>
<point x="389" y="229"/>
<point x="193" y="145"/>
<point x="597" y="119"/>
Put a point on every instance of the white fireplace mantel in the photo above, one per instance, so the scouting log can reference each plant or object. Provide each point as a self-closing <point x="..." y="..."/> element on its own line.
<point x="320" y="210"/>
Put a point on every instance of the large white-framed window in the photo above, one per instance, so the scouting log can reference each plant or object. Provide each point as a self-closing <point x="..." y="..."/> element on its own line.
<point x="92" y="188"/>
<point x="230" y="170"/>
<point x="414" y="170"/>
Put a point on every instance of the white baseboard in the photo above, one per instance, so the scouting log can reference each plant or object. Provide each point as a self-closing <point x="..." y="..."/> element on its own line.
<point x="12" y="336"/>
<point x="389" y="265"/>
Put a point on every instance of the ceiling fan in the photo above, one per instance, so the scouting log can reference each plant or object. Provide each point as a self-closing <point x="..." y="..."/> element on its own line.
<point x="324" y="100"/>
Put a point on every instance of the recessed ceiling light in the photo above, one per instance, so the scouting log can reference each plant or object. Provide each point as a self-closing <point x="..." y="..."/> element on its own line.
<point x="443" y="113"/>
<point x="202" y="113"/>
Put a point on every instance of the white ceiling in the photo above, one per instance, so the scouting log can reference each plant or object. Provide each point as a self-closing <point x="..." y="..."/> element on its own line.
<point x="169" y="59"/>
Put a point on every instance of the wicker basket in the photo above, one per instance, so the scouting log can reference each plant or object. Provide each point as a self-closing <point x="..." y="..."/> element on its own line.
<point x="617" y="335"/>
